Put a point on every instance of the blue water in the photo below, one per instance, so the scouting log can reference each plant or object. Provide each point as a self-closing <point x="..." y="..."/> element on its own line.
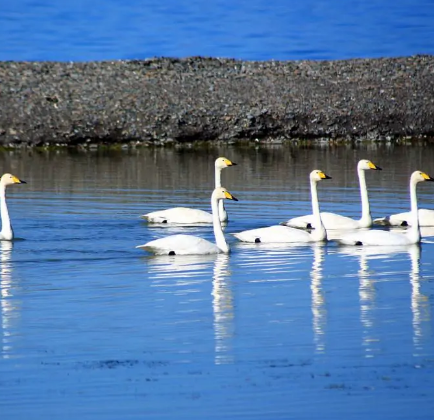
<point x="91" y="327"/>
<point x="256" y="29"/>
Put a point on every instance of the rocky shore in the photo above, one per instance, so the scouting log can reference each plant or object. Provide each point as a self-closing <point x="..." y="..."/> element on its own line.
<point x="195" y="99"/>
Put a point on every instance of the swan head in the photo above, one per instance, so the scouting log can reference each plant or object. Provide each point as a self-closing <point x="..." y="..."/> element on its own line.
<point x="419" y="176"/>
<point x="318" y="175"/>
<point x="9" y="179"/>
<point x="223" y="162"/>
<point x="221" y="193"/>
<point x="366" y="164"/>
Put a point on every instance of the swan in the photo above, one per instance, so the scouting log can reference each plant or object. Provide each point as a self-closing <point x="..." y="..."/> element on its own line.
<point x="386" y="238"/>
<point x="286" y="234"/>
<point x="194" y="245"/>
<point x="7" y="233"/>
<point x="185" y="215"/>
<point x="336" y="221"/>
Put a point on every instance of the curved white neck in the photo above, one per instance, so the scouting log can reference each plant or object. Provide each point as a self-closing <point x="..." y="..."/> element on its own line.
<point x="223" y="215"/>
<point x="319" y="233"/>
<point x="366" y="220"/>
<point x="413" y="232"/>
<point x="218" y="231"/>
<point x="6" y="232"/>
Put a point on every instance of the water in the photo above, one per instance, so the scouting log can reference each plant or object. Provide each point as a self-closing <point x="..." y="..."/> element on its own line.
<point x="253" y="30"/>
<point x="93" y="328"/>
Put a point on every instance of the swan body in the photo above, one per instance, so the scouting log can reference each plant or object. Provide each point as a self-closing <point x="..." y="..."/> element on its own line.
<point x="185" y="215"/>
<point x="337" y="221"/>
<point x="7" y="233"/>
<point x="386" y="238"/>
<point x="426" y="218"/>
<point x="194" y="245"/>
<point x="288" y="234"/>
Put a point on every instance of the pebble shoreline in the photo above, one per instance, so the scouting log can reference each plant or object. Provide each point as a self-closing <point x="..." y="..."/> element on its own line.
<point x="165" y="100"/>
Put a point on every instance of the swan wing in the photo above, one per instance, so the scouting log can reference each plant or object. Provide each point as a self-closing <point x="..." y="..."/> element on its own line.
<point x="274" y="234"/>
<point x="375" y="238"/>
<point x="179" y="215"/>
<point x="426" y="218"/>
<point x="180" y="245"/>
<point x="301" y="222"/>
<point x="329" y="220"/>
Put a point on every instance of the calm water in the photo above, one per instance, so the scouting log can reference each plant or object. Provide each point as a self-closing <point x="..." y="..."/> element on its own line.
<point x="255" y="29"/>
<point x="93" y="328"/>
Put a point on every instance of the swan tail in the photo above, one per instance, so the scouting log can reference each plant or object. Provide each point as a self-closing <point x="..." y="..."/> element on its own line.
<point x="382" y="221"/>
<point x="297" y="225"/>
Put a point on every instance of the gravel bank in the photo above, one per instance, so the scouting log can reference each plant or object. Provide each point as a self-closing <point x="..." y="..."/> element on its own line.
<point x="166" y="100"/>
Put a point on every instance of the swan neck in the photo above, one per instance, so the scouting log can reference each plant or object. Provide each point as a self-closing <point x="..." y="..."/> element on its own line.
<point x="218" y="231"/>
<point x="366" y="219"/>
<point x="6" y="231"/>
<point x="319" y="233"/>
<point x="414" y="229"/>
<point x="218" y="183"/>
<point x="223" y="215"/>
<point x="218" y="177"/>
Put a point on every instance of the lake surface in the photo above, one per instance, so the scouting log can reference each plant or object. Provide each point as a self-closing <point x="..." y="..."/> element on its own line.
<point x="254" y="30"/>
<point x="92" y="327"/>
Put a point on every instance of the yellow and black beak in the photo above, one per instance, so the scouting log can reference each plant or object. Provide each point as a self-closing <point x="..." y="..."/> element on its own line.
<point x="18" y="181"/>
<point x="230" y="163"/>
<point x="229" y="196"/>
<point x="324" y="176"/>
<point x="374" y="167"/>
<point x="427" y="177"/>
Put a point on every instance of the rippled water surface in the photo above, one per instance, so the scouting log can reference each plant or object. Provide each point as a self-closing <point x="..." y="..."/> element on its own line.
<point x="255" y="30"/>
<point x="93" y="328"/>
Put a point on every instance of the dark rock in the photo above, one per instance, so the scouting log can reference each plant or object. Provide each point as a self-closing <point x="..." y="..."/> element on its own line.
<point x="170" y="100"/>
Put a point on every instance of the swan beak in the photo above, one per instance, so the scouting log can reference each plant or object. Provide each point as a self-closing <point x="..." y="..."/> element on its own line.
<point x="230" y="163"/>
<point x="18" y="181"/>
<point x="373" y="166"/>
<point x="229" y="196"/>
<point x="426" y="177"/>
<point x="322" y="175"/>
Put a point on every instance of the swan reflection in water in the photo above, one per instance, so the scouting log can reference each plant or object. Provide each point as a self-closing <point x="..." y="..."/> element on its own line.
<point x="367" y="293"/>
<point x="7" y="307"/>
<point x="420" y="305"/>
<point x="195" y="269"/>
<point x="319" y="311"/>
<point x="223" y="310"/>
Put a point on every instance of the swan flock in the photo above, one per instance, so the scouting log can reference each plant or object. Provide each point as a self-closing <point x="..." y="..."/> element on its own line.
<point x="296" y="230"/>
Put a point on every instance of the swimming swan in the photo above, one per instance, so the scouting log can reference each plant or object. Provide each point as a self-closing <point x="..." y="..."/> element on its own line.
<point x="193" y="245"/>
<point x="7" y="233"/>
<point x="185" y="215"/>
<point x="336" y="221"/>
<point x="286" y="234"/>
<point x="382" y="237"/>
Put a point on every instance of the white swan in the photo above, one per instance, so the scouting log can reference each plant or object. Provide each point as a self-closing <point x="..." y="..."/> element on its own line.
<point x="336" y="221"/>
<point x="7" y="233"/>
<point x="386" y="238"/>
<point x="185" y="215"/>
<point x="193" y="245"/>
<point x="286" y="234"/>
